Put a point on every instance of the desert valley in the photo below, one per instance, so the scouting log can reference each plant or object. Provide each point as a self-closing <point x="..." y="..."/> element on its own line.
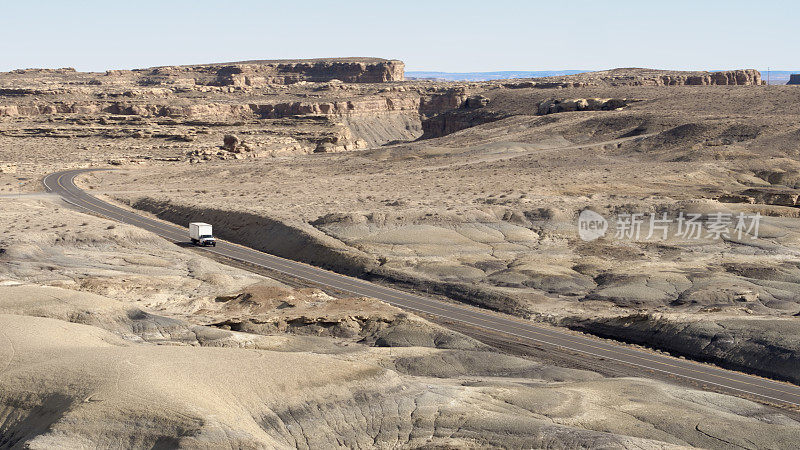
<point x="470" y="193"/>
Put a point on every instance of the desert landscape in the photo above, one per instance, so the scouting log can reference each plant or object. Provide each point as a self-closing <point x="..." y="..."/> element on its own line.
<point x="469" y="192"/>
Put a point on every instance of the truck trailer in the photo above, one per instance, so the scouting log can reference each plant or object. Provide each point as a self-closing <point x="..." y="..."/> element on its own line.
<point x="201" y="234"/>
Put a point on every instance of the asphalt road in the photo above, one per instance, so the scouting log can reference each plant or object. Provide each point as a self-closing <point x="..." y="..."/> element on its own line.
<point x="701" y="375"/>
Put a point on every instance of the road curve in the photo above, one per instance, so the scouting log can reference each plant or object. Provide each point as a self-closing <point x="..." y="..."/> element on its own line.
<point x="516" y="329"/>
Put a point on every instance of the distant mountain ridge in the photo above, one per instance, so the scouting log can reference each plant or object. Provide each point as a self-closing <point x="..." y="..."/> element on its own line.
<point x="775" y="76"/>
<point x="485" y="76"/>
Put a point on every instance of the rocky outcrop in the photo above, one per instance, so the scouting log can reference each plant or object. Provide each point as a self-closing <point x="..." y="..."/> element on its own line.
<point x="169" y="108"/>
<point x="794" y="79"/>
<point x="543" y="84"/>
<point x="476" y="101"/>
<point x="266" y="309"/>
<point x="230" y="142"/>
<point x="442" y="101"/>
<point x="646" y="77"/>
<point x="452" y="110"/>
<point x="391" y="114"/>
<point x="233" y="74"/>
<point x="456" y="120"/>
<point x="363" y="105"/>
<point x="467" y="111"/>
<point x="63" y="70"/>
<point x="581" y="104"/>
<point x="766" y="196"/>
<point x="745" y="77"/>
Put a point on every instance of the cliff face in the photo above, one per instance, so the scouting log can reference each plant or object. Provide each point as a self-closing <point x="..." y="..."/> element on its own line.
<point x="175" y="108"/>
<point x="645" y="77"/>
<point x="260" y="73"/>
<point x="745" y="77"/>
<point x="741" y="77"/>
<point x="297" y="104"/>
<point x="278" y="107"/>
<point x="794" y="79"/>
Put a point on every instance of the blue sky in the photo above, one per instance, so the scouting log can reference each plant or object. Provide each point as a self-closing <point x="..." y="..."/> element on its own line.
<point x="454" y="36"/>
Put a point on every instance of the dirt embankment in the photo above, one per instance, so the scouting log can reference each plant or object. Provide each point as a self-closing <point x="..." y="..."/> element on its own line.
<point x="294" y="240"/>
<point x="764" y="347"/>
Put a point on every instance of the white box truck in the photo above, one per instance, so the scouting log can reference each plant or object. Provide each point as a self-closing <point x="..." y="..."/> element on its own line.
<point x="201" y="234"/>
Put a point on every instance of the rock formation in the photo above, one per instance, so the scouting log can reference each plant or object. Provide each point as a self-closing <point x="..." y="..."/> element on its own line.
<point x="644" y="77"/>
<point x="794" y="78"/>
<point x="744" y="77"/>
<point x="345" y="108"/>
<point x="581" y="104"/>
<point x="287" y="106"/>
<point x="259" y="73"/>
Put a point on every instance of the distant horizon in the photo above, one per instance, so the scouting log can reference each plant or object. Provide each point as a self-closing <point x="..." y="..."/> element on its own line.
<point x="774" y="77"/>
<point x="451" y="36"/>
<point x="407" y="70"/>
<point x="598" y="70"/>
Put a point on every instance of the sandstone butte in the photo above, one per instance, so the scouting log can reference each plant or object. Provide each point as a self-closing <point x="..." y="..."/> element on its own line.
<point x="263" y="72"/>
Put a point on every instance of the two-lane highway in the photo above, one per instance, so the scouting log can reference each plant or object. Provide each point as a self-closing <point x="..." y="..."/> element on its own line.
<point x="516" y="329"/>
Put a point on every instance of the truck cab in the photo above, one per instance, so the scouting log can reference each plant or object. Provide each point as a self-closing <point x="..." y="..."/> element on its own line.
<point x="201" y="234"/>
